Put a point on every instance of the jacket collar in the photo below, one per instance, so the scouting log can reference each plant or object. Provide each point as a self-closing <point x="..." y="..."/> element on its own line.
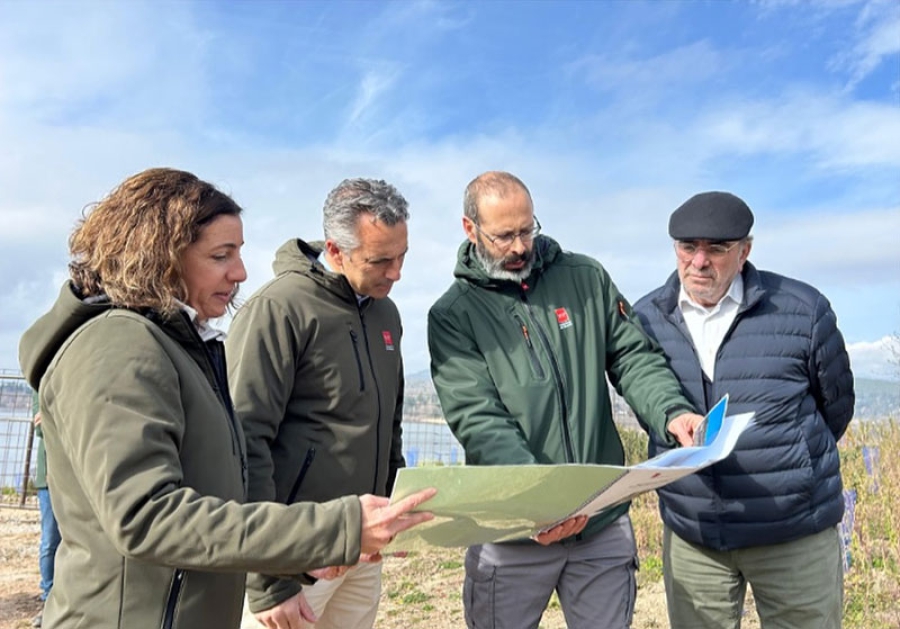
<point x="754" y="291"/>
<point x="299" y="256"/>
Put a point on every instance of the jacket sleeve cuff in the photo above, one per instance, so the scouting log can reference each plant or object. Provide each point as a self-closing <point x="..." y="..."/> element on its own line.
<point x="674" y="411"/>
<point x="265" y="592"/>
<point x="671" y="413"/>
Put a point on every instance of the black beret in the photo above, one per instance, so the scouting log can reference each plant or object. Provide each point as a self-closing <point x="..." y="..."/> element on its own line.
<point x="711" y="216"/>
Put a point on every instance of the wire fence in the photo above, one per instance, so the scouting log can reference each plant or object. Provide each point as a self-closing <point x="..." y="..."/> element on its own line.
<point x="18" y="451"/>
<point x="426" y="438"/>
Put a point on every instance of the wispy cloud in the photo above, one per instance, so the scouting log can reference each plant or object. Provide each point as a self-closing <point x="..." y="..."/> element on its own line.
<point x="877" y="34"/>
<point x="836" y="133"/>
<point x="629" y="71"/>
<point x="374" y="85"/>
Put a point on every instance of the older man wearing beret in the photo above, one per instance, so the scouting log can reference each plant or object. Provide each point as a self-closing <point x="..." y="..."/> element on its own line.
<point x="767" y="515"/>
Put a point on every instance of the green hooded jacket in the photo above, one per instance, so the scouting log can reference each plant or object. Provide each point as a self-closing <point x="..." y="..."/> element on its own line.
<point x="148" y="477"/>
<point x="317" y="382"/>
<point x="521" y="368"/>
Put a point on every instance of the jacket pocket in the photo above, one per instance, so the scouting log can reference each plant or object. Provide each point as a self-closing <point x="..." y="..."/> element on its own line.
<point x="354" y="339"/>
<point x="479" y="592"/>
<point x="529" y="348"/>
<point x="172" y="599"/>
<point x="295" y="488"/>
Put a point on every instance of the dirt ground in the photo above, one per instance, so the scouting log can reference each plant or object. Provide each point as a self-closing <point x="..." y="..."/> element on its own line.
<point x="421" y="590"/>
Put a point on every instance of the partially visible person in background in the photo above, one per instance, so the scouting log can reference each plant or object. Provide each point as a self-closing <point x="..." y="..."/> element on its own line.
<point x="767" y="515"/>
<point x="147" y="459"/>
<point x="49" y="529"/>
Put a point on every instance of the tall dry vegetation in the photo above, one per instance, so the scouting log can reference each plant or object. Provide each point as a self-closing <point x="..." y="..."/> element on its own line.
<point x="871" y="586"/>
<point x="870" y="463"/>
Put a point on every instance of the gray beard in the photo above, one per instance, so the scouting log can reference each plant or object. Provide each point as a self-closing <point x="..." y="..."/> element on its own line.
<point x="493" y="267"/>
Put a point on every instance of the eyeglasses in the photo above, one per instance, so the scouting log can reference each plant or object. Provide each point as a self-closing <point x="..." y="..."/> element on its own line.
<point x="505" y="241"/>
<point x="687" y="249"/>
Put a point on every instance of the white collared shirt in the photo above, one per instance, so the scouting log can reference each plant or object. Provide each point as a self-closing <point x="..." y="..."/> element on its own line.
<point x="708" y="326"/>
<point x="204" y="329"/>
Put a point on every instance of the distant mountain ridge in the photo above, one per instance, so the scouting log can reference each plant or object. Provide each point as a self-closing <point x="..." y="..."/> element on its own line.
<point x="877" y="399"/>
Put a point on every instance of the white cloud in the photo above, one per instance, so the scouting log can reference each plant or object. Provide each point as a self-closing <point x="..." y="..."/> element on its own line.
<point x="829" y="246"/>
<point x="835" y="132"/>
<point x="876" y="359"/>
<point x="627" y="71"/>
<point x="94" y="92"/>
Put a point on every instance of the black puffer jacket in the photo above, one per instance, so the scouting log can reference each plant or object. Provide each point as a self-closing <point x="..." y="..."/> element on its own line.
<point x="784" y="359"/>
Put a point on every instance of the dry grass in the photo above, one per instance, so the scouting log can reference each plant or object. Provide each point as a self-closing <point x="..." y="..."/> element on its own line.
<point x="424" y="590"/>
<point x="872" y="585"/>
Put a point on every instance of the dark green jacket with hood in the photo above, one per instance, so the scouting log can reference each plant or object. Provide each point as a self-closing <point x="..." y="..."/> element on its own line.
<point x="520" y="368"/>
<point x="148" y="477"/>
<point x="317" y="382"/>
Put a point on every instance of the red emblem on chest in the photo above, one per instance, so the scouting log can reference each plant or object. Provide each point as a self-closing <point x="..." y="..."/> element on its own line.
<point x="562" y="318"/>
<point x="388" y="341"/>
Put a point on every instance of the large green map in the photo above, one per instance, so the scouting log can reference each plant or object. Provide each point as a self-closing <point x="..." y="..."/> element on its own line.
<point x="477" y="504"/>
<point x="480" y="504"/>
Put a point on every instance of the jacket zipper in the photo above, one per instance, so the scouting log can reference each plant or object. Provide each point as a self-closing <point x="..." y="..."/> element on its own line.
<point x="310" y="455"/>
<point x="219" y="384"/>
<point x="359" y="368"/>
<point x="215" y="356"/>
<point x="557" y="376"/>
<point x="532" y="354"/>
<point x="172" y="599"/>
<point x="362" y="321"/>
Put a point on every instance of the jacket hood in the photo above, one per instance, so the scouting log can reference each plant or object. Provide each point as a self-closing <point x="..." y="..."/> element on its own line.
<point x="468" y="267"/>
<point x="296" y="256"/>
<point x="43" y="339"/>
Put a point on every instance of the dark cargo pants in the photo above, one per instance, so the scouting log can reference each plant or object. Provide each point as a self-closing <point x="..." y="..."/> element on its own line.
<point x="508" y="586"/>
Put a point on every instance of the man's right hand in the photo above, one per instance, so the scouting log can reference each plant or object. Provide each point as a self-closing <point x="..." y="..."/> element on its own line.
<point x="291" y="613"/>
<point x="683" y="426"/>
<point x="561" y="531"/>
<point x="381" y="521"/>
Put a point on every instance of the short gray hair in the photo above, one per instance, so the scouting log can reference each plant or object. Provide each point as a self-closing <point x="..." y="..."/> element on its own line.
<point x="494" y="183"/>
<point x="355" y="197"/>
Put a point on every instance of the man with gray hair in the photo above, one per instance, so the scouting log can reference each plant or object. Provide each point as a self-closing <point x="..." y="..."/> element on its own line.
<point x="317" y="381"/>
<point x="767" y="515"/>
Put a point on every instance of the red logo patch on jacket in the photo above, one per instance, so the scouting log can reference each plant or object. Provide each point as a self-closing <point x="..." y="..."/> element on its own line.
<point x="388" y="341"/>
<point x="562" y="318"/>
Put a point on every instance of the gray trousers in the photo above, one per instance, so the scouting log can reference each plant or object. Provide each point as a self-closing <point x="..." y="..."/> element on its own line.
<point x="508" y="586"/>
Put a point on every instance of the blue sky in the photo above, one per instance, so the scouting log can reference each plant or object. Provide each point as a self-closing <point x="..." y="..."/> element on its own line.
<point x="612" y="112"/>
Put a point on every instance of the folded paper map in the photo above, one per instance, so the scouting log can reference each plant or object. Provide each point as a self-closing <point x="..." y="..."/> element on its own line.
<point x="478" y="504"/>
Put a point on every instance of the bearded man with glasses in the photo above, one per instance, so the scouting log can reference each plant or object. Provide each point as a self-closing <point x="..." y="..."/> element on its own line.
<point x="520" y="344"/>
<point x="767" y="515"/>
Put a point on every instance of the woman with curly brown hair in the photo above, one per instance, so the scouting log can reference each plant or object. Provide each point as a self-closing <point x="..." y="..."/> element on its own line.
<point x="148" y="462"/>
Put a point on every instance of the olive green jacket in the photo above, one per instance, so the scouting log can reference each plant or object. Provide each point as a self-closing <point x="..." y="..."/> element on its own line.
<point x="520" y="369"/>
<point x="317" y="382"/>
<point x="149" y="477"/>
